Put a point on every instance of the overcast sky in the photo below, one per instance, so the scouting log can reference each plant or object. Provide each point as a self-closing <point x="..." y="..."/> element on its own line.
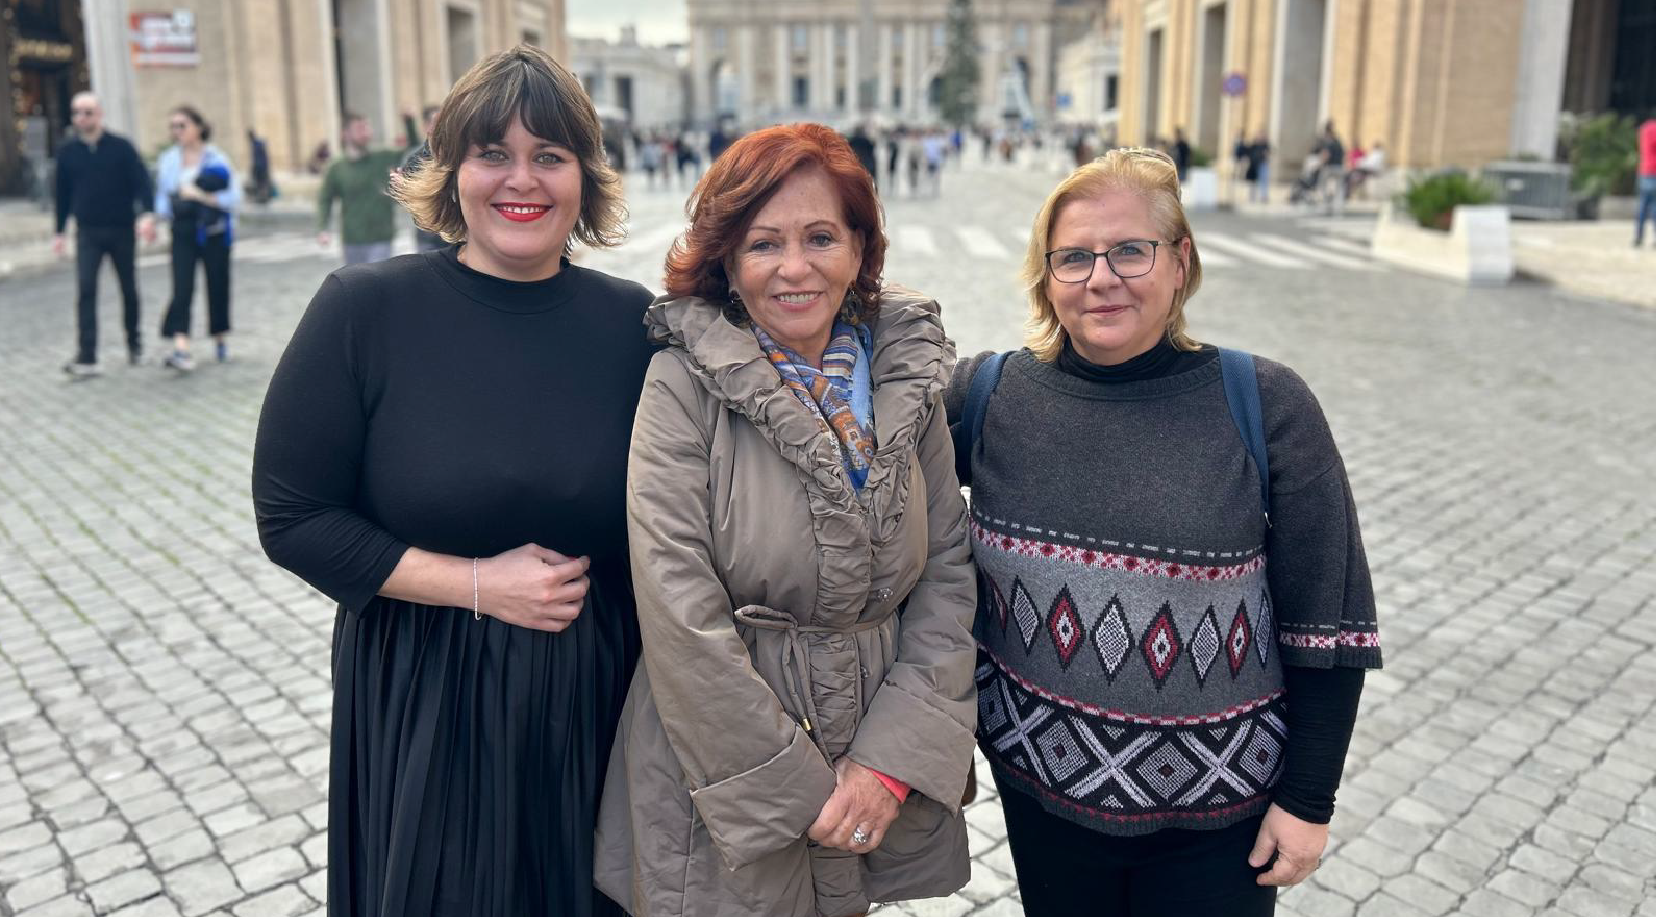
<point x="659" y="21"/>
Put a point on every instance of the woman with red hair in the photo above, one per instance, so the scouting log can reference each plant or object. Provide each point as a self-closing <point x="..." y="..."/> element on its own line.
<point x="799" y="736"/>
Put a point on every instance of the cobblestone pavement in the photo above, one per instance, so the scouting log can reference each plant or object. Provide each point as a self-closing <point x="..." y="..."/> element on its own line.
<point x="164" y="692"/>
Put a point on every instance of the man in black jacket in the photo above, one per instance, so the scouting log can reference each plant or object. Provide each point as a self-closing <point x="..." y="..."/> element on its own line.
<point x="102" y="183"/>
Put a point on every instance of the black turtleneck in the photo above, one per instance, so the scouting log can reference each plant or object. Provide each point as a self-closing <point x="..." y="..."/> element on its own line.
<point x="1323" y="703"/>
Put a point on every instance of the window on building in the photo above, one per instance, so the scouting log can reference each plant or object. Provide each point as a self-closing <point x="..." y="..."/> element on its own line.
<point x="720" y="38"/>
<point x="800" y="39"/>
<point x="463" y="41"/>
<point x="897" y="38"/>
<point x="897" y="97"/>
<point x="1110" y="92"/>
<point x="840" y="36"/>
<point x="938" y="35"/>
<point x="839" y="97"/>
<point x="802" y="92"/>
<point x="532" y="37"/>
<point x="1021" y="35"/>
<point x="588" y="81"/>
<point x="624" y="95"/>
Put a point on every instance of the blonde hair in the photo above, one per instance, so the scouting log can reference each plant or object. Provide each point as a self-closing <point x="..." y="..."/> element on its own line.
<point x="527" y="84"/>
<point x="1151" y="175"/>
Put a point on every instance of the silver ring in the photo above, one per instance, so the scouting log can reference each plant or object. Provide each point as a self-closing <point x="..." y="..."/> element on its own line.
<point x="860" y="837"/>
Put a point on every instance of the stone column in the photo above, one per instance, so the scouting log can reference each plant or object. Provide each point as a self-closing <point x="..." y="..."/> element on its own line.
<point x="747" y="60"/>
<point x="853" y="77"/>
<point x="784" y="77"/>
<point x="883" y="70"/>
<point x="913" y="46"/>
<point x="1544" y="45"/>
<point x="1041" y="70"/>
<point x="110" y="62"/>
<point x="825" y="68"/>
<point x="701" y="106"/>
<point x="990" y="63"/>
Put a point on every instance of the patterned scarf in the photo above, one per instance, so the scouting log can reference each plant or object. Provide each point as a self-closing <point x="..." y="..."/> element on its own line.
<point x="832" y="394"/>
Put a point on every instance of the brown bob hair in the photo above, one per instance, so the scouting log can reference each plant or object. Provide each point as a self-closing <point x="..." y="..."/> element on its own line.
<point x="739" y="183"/>
<point x="524" y="83"/>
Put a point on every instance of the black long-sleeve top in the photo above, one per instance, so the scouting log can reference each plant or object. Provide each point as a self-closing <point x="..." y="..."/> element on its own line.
<point x="102" y="184"/>
<point x="422" y="403"/>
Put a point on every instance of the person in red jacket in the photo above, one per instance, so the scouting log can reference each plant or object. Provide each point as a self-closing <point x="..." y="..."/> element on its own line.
<point x="1647" y="181"/>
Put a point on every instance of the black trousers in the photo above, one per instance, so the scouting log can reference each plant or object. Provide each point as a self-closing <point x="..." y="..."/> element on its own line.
<point x="214" y="255"/>
<point x="1067" y="870"/>
<point x="92" y="243"/>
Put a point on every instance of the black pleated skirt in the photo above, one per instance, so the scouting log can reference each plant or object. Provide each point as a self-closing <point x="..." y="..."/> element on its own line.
<point x="468" y="757"/>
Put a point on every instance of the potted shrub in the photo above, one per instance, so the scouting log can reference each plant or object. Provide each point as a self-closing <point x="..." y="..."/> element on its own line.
<point x="1604" y="157"/>
<point x="1432" y="201"/>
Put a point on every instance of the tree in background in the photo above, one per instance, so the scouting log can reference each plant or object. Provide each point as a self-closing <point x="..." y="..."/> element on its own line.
<point x="958" y="81"/>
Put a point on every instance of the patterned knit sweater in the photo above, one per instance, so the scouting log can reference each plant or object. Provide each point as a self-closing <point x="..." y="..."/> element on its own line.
<point x="1135" y="610"/>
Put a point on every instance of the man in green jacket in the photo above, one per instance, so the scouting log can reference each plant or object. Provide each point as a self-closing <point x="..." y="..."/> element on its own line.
<point x="360" y="180"/>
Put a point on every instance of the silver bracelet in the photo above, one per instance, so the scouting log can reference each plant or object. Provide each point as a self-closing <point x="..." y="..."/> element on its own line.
<point x="476" y="616"/>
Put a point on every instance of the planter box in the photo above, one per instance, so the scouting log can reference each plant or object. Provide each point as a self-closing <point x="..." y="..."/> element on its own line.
<point x="1477" y="251"/>
<point x="1202" y="189"/>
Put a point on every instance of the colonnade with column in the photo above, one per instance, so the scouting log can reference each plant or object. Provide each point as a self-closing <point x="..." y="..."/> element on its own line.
<point x="764" y="59"/>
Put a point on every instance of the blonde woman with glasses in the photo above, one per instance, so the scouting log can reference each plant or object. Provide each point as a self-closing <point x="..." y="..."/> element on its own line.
<point x="1167" y="681"/>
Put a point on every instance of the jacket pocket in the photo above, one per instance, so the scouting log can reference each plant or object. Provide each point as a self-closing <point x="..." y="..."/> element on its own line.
<point x="924" y="854"/>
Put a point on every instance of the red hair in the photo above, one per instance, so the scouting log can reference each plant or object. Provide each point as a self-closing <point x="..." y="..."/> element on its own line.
<point x="739" y="183"/>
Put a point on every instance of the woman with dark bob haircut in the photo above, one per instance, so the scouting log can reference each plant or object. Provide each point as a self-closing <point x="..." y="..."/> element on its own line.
<point x="442" y="452"/>
<point x="800" y="734"/>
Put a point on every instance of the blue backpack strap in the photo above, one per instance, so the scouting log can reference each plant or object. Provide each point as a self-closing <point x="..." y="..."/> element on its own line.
<point x="984" y="381"/>
<point x="1242" y="395"/>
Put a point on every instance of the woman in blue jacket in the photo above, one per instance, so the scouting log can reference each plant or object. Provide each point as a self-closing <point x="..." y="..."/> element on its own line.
<point x="198" y="190"/>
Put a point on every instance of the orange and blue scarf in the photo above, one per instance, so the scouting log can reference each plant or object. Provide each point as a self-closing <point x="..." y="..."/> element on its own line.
<point x="838" y="395"/>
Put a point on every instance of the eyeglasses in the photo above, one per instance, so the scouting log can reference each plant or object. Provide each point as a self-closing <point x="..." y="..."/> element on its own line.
<point x="176" y="126"/>
<point x="1127" y="260"/>
<point x="77" y="112"/>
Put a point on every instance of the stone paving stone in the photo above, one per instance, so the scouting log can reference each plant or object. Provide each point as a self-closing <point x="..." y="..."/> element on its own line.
<point x="123" y="889"/>
<point x="37" y="889"/>
<point x="286" y="901"/>
<point x="66" y="906"/>
<point x="270" y="868"/>
<point x="107" y="861"/>
<point x="202" y="886"/>
<point x="159" y="906"/>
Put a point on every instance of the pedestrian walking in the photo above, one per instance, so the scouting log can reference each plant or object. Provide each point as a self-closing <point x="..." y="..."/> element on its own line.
<point x="419" y="153"/>
<point x="1259" y="169"/>
<point x="1332" y="171"/>
<point x="864" y="149"/>
<point x="1169" y="684"/>
<point x="801" y="728"/>
<point x="103" y="184"/>
<point x="1181" y="152"/>
<point x="442" y="451"/>
<point x="198" y="191"/>
<point x="360" y="181"/>
<point x="1646" y="180"/>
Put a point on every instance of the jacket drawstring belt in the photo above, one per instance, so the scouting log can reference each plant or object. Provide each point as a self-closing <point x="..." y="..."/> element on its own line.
<point x="796" y="656"/>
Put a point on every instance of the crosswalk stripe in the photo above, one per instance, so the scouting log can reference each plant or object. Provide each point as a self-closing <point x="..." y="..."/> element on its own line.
<point x="1291" y="247"/>
<point x="1212" y="258"/>
<point x="917" y="239"/>
<point x="1212" y="240"/>
<point x="1344" y="245"/>
<point x="979" y="243"/>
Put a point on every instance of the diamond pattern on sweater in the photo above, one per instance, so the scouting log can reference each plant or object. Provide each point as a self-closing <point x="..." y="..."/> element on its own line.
<point x="1064" y="625"/>
<point x="1161" y="645"/>
<point x="993" y="598"/>
<point x="1098" y="769"/>
<point x="1024" y="613"/>
<point x="1237" y="639"/>
<point x="1263" y="626"/>
<point x="1111" y="638"/>
<point x="1205" y="645"/>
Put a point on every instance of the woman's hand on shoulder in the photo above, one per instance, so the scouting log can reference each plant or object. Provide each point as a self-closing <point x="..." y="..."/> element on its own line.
<point x="1298" y="843"/>
<point x="860" y="801"/>
<point x="531" y="586"/>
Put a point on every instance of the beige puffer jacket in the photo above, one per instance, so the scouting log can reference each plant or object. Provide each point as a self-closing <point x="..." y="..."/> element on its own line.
<point x="771" y="596"/>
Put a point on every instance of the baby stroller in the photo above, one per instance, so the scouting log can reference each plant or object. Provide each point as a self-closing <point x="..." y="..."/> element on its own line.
<point x="1305" y="190"/>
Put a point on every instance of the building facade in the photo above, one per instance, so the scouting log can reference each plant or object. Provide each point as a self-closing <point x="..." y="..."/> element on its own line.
<point x="1438" y="82"/>
<point x="287" y="69"/>
<point x="840" y="61"/>
<point x="1087" y="84"/>
<point x="640" y="85"/>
